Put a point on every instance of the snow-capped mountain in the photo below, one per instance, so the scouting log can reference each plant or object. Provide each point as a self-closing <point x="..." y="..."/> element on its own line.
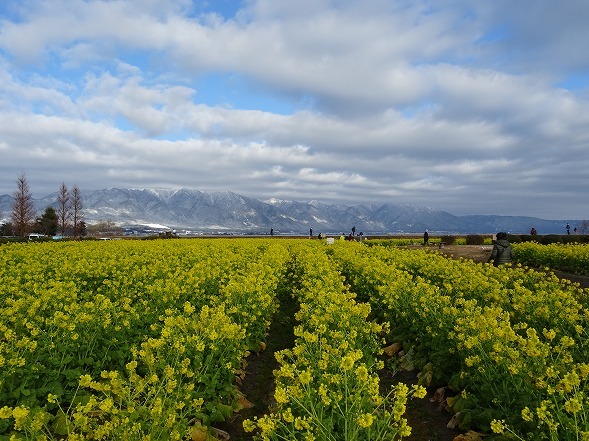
<point x="210" y="211"/>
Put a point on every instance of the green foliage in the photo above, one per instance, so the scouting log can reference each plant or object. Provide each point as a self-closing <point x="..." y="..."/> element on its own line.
<point x="47" y="223"/>
<point x="570" y="239"/>
<point x="4" y="240"/>
<point x="528" y="238"/>
<point x="514" y="238"/>
<point x="550" y="238"/>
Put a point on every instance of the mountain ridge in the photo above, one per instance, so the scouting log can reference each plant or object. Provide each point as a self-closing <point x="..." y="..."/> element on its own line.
<point x="226" y="211"/>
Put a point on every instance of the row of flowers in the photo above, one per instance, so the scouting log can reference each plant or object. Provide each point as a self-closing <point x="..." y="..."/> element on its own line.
<point x="327" y="385"/>
<point x="509" y="342"/>
<point x="130" y="340"/>
<point x="573" y="258"/>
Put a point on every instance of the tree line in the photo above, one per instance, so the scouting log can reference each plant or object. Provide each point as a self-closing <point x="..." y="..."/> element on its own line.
<point x="66" y="219"/>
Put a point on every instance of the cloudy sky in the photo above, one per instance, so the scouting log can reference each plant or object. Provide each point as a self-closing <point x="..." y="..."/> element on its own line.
<point x="474" y="107"/>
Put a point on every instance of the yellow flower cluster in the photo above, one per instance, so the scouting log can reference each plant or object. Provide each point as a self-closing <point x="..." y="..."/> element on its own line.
<point x="499" y="333"/>
<point x="573" y="258"/>
<point x="140" y="337"/>
<point x="326" y="386"/>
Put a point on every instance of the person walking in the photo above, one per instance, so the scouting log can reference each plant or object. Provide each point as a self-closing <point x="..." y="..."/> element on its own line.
<point x="568" y="227"/>
<point x="502" y="252"/>
<point x="425" y="238"/>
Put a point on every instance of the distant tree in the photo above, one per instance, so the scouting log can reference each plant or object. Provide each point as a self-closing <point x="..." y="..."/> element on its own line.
<point x="76" y="209"/>
<point x="82" y="229"/>
<point x="64" y="213"/>
<point x="23" y="212"/>
<point x="6" y="229"/>
<point x="47" y="223"/>
<point x="105" y="227"/>
<point x="584" y="227"/>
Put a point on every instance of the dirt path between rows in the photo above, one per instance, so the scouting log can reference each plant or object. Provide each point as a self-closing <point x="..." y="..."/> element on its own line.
<point x="426" y="417"/>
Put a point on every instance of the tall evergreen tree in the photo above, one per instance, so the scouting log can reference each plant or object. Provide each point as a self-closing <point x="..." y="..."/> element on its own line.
<point x="47" y="223"/>
<point x="23" y="212"/>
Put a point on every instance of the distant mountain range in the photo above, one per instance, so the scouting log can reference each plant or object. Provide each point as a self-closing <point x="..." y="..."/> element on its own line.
<point x="227" y="212"/>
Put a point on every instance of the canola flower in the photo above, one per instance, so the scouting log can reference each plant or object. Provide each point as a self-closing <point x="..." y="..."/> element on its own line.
<point x="506" y="332"/>
<point x="148" y="334"/>
<point x="573" y="258"/>
<point x="326" y="386"/>
<point x="137" y="339"/>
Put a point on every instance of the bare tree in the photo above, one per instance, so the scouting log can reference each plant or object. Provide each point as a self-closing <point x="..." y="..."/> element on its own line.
<point x="64" y="212"/>
<point x="584" y="227"/>
<point x="23" y="211"/>
<point x="76" y="207"/>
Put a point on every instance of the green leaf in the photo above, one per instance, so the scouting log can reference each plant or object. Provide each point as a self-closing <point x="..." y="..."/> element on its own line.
<point x="53" y="387"/>
<point x="72" y="374"/>
<point x="60" y="423"/>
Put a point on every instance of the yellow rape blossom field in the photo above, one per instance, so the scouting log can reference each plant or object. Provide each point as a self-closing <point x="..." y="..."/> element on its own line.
<point x="150" y="340"/>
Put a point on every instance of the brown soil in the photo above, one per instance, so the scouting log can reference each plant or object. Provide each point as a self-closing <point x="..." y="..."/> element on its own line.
<point x="427" y="417"/>
<point x="258" y="384"/>
<point x="477" y="253"/>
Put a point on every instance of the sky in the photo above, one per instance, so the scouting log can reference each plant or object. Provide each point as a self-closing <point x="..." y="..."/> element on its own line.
<point x="467" y="106"/>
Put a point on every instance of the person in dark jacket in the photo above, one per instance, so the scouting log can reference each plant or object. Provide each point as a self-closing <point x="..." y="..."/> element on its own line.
<point x="502" y="252"/>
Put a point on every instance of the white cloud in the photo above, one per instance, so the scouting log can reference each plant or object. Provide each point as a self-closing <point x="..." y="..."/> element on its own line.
<point x="453" y="105"/>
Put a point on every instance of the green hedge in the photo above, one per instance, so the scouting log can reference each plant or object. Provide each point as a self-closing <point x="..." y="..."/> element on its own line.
<point x="448" y="240"/>
<point x="475" y="239"/>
